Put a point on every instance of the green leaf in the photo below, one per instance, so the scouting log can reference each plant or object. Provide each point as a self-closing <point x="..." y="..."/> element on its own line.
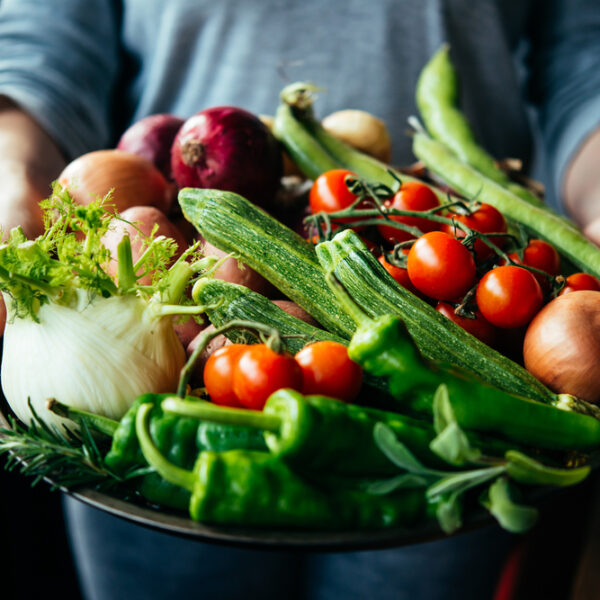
<point x="451" y="444"/>
<point x="448" y="512"/>
<point x="396" y="451"/>
<point x="404" y="481"/>
<point x="525" y="469"/>
<point x="461" y="482"/>
<point x="513" y="517"/>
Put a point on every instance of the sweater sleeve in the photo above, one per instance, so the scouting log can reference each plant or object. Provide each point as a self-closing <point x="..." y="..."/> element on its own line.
<point x="565" y="78"/>
<point x="59" y="61"/>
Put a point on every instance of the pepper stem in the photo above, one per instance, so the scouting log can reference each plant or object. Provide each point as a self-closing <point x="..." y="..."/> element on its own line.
<point x="97" y="422"/>
<point x="167" y="470"/>
<point x="224" y="415"/>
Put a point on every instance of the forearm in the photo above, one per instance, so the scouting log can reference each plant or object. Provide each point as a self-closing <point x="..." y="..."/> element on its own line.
<point x="29" y="162"/>
<point x="582" y="187"/>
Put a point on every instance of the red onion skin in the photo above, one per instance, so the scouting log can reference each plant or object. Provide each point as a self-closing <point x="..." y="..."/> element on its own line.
<point x="562" y="345"/>
<point x="152" y="138"/>
<point x="230" y="149"/>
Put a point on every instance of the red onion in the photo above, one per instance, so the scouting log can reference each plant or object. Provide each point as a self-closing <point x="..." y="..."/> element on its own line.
<point x="228" y="148"/>
<point x="152" y="138"/>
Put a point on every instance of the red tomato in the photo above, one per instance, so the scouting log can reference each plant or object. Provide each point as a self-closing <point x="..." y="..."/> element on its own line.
<point x="329" y="192"/>
<point x="540" y="255"/>
<point x="327" y="370"/>
<point x="218" y="374"/>
<point x="260" y="371"/>
<point x="509" y="296"/>
<point x="580" y="281"/>
<point x="398" y="273"/>
<point x="478" y="327"/>
<point x="486" y="219"/>
<point x="440" y="266"/>
<point x="412" y="195"/>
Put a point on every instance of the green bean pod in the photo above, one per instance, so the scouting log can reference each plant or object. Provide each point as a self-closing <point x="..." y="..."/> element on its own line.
<point x="437" y="95"/>
<point x="564" y="236"/>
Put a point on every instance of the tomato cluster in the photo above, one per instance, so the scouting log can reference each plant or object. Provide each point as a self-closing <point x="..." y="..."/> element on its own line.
<point x="458" y="257"/>
<point x="244" y="376"/>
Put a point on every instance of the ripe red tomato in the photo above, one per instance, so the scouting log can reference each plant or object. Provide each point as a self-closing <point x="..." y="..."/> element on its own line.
<point x="509" y="296"/>
<point x="412" y="195"/>
<point x="260" y="371"/>
<point x="580" y="281"/>
<point x="479" y="327"/>
<point x="398" y="273"/>
<point x="540" y="255"/>
<point x="218" y="374"/>
<point x="440" y="267"/>
<point x="486" y="219"/>
<point x="329" y="192"/>
<point x="327" y="370"/>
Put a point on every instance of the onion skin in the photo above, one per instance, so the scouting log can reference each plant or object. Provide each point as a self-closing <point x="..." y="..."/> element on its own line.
<point x="228" y="148"/>
<point x="152" y="138"/>
<point x="134" y="180"/>
<point x="562" y="345"/>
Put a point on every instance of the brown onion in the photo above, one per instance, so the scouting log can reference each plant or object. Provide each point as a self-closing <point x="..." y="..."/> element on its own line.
<point x="562" y="345"/>
<point x="134" y="180"/>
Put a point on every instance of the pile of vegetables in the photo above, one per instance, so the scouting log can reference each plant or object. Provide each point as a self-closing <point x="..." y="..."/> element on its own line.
<point x="410" y="376"/>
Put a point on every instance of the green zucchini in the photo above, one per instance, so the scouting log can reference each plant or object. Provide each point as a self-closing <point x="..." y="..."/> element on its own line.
<point x="369" y="284"/>
<point x="315" y="150"/>
<point x="233" y="224"/>
<point x="229" y="301"/>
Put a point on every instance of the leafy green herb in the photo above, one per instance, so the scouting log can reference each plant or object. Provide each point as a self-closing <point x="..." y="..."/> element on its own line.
<point x="514" y="517"/>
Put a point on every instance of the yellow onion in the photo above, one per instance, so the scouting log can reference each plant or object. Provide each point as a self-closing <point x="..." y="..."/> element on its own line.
<point x="134" y="180"/>
<point x="562" y="345"/>
<point x="362" y="131"/>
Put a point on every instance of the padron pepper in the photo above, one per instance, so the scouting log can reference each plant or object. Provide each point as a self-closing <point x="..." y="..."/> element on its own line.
<point x="320" y="434"/>
<point x="384" y="348"/>
<point x="180" y="438"/>
<point x="254" y="488"/>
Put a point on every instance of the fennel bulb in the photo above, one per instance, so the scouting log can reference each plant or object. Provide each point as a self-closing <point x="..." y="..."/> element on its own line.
<point x="76" y="334"/>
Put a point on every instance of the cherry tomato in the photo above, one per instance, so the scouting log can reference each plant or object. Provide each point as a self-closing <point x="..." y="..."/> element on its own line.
<point x="540" y="255"/>
<point x="509" y="296"/>
<point x="486" y="219"/>
<point x="398" y="273"/>
<point x="440" y="266"/>
<point x="327" y="370"/>
<point x="329" y="192"/>
<point x="478" y="327"/>
<point x="218" y="374"/>
<point x="260" y="371"/>
<point x="580" y="281"/>
<point x="412" y="195"/>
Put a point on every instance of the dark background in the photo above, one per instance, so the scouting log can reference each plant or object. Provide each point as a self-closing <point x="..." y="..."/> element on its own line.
<point x="36" y="558"/>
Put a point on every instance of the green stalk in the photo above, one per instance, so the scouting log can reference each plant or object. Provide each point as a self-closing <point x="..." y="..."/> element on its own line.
<point x="97" y="422"/>
<point x="125" y="273"/>
<point x="167" y="470"/>
<point x="207" y="411"/>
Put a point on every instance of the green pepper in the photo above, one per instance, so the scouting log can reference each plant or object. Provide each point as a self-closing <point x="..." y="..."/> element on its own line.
<point x="383" y="347"/>
<point x="180" y="438"/>
<point x="319" y="434"/>
<point x="254" y="488"/>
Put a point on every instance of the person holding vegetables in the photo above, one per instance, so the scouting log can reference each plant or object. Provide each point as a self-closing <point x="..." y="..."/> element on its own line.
<point x="98" y="66"/>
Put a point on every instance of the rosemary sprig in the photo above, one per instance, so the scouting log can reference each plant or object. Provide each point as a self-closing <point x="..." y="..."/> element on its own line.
<point x="60" y="457"/>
